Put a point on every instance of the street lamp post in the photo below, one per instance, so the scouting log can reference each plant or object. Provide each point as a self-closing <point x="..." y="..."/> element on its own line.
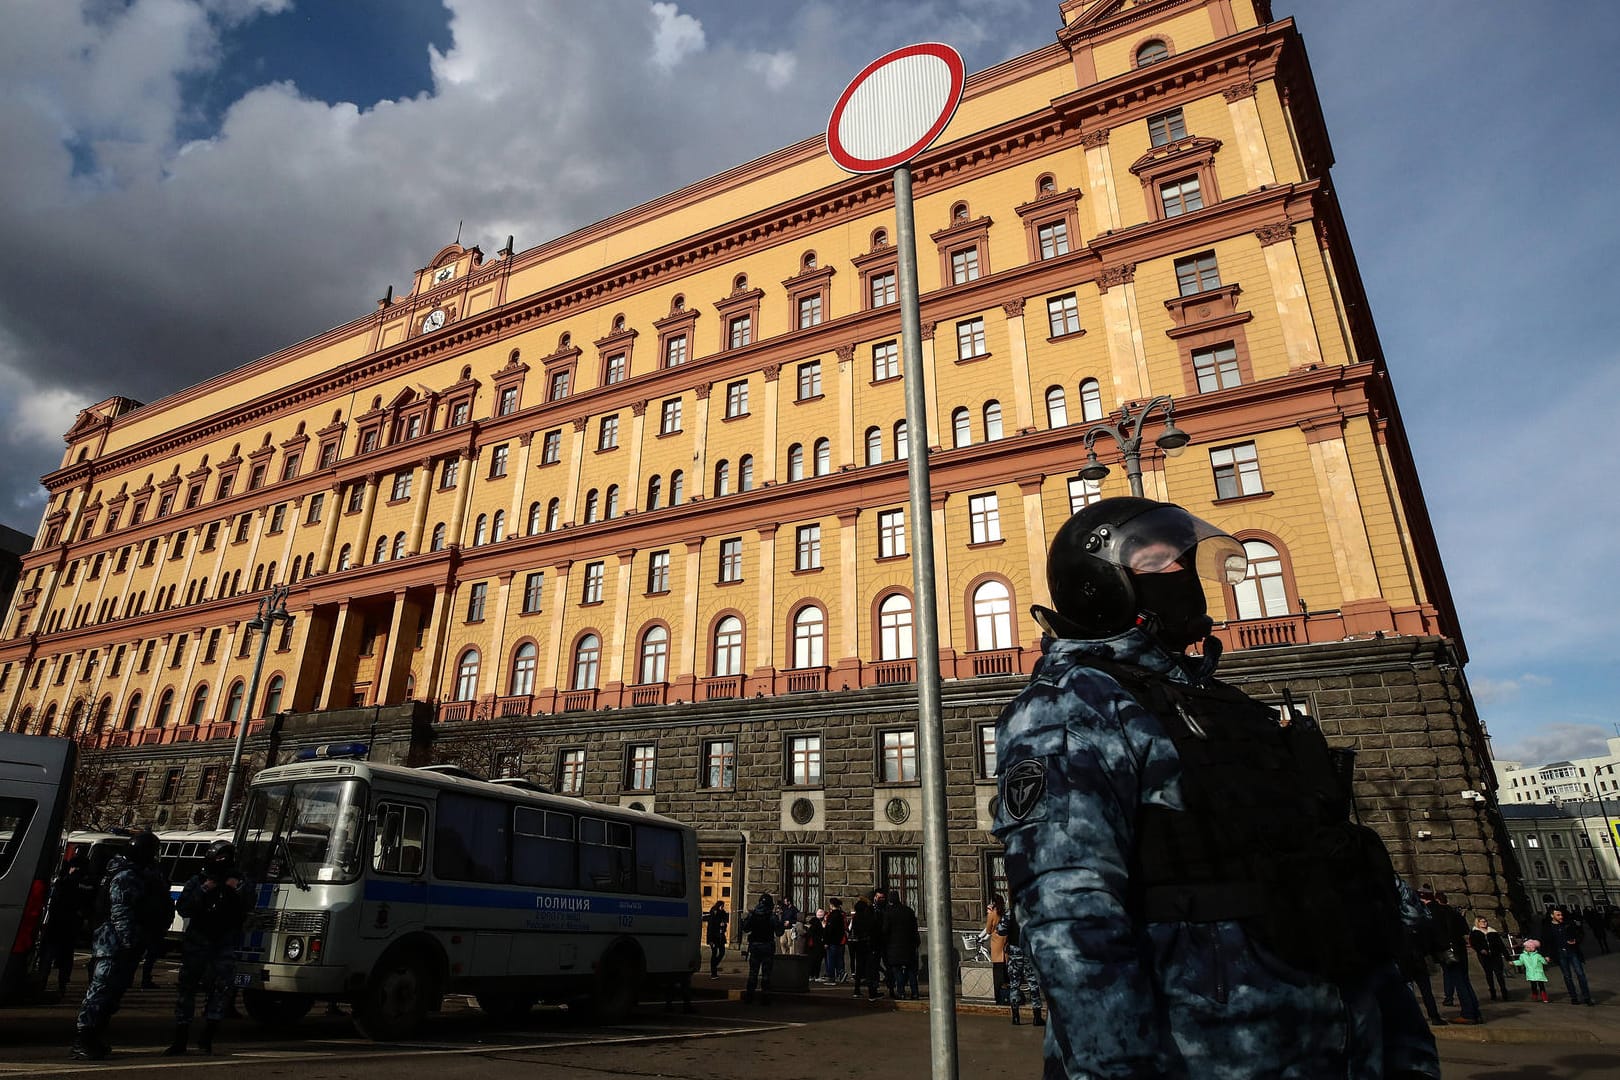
<point x="1128" y="434"/>
<point x="272" y="610"/>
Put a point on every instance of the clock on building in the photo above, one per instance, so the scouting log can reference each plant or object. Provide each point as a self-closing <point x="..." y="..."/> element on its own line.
<point x="443" y="274"/>
<point x="434" y="320"/>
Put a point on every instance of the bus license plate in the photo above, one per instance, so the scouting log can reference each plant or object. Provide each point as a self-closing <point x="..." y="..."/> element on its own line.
<point x="244" y="979"/>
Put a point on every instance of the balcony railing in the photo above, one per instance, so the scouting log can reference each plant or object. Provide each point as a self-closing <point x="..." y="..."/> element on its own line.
<point x="996" y="662"/>
<point x="894" y="672"/>
<point x="720" y="687"/>
<point x="454" y="711"/>
<point x="806" y="679"/>
<point x="650" y="694"/>
<point x="1259" y="633"/>
<point x="578" y="700"/>
<point x="515" y="705"/>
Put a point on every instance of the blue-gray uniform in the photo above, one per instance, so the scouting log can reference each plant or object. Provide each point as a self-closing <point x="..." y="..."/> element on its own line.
<point x="132" y="891"/>
<point x="1080" y="758"/>
<point x="1023" y="983"/>
<point x="215" y="910"/>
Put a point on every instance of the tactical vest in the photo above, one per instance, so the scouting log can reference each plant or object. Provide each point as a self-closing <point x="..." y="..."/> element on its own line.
<point x="1265" y="838"/>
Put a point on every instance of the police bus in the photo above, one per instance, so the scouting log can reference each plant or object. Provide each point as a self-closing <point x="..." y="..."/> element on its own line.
<point x="389" y="887"/>
<point x="36" y="783"/>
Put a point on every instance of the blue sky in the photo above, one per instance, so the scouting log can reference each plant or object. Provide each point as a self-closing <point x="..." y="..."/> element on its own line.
<point x="212" y="179"/>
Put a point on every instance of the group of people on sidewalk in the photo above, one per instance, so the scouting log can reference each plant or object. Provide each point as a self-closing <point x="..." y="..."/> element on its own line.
<point x="1444" y="939"/>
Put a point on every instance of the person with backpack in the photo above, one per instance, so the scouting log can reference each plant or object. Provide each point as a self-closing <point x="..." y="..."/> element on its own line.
<point x="133" y="907"/>
<point x="72" y="900"/>
<point x="215" y="903"/>
<point x="715" y="926"/>
<point x="761" y="927"/>
<point x="1184" y="869"/>
<point x="1022" y="982"/>
<point x="1451" y="953"/>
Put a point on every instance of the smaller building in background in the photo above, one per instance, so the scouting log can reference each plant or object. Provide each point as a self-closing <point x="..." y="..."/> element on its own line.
<point x="1579" y="778"/>
<point x="1566" y="851"/>
<point x="14" y="544"/>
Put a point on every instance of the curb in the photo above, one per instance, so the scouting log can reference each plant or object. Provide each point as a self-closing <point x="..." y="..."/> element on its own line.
<point x="1485" y="1033"/>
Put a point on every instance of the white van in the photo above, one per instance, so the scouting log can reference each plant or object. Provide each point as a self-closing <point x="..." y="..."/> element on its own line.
<point x="36" y="782"/>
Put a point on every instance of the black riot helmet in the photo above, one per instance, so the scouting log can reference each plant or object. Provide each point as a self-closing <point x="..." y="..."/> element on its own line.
<point x="143" y="846"/>
<point x="220" y="855"/>
<point x="1124" y="562"/>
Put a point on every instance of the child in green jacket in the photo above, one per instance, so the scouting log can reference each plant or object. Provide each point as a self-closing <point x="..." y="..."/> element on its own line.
<point x="1535" y="969"/>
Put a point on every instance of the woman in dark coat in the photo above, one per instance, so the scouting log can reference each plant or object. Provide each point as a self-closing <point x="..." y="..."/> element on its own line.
<point x="715" y="926"/>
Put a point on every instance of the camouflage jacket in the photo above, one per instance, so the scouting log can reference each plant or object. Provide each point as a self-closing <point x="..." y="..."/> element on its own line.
<point x="125" y="885"/>
<point x="214" y="916"/>
<point x="1078" y="756"/>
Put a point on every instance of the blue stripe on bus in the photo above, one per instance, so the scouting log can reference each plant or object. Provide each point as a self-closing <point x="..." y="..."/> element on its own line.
<point x="403" y="892"/>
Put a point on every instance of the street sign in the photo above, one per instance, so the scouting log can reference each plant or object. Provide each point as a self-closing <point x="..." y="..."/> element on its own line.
<point x="895" y="108"/>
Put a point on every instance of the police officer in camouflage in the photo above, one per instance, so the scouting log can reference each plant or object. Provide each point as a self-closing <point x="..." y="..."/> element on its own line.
<point x="215" y="903"/>
<point x="134" y="909"/>
<point x="1187" y="878"/>
<point x="1022" y="981"/>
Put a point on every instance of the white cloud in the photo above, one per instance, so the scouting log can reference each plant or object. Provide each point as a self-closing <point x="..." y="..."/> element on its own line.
<point x="675" y="36"/>
<point x="776" y="67"/>
<point x="1556" y="741"/>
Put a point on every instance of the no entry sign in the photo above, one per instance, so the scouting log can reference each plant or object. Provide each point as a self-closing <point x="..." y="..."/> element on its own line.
<point x="893" y="109"/>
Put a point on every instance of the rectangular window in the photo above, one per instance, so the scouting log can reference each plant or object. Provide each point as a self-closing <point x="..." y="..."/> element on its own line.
<point x="1237" y="471"/>
<point x="413" y="425"/>
<point x="225" y="482"/>
<point x="451" y="474"/>
<point x="509" y="402"/>
<point x="470" y="839"/>
<point x="804" y="760"/>
<point x="615" y="368"/>
<point x="737" y="399"/>
<point x="551" y="448"/>
<point x="357" y="497"/>
<point x="171" y="786"/>
<point x="984" y="518"/>
<point x="731" y="559"/>
<point x="883" y="289"/>
<point x="212" y="648"/>
<point x="114" y="669"/>
<point x="809" y="311"/>
<point x="675" y="351"/>
<point x="476" y="595"/>
<point x="329" y="454"/>
<point x="137" y="785"/>
<point x="1198" y="273"/>
<point x="368" y="443"/>
<point x="543" y="848"/>
<point x="137" y="514"/>
<point x="658" y="572"/>
<point x="964" y="266"/>
<point x="595" y="576"/>
<point x="460" y="413"/>
<point x="534" y="590"/>
<point x="557" y="386"/>
<point x="317" y="503"/>
<point x="669" y="418"/>
<point x="1181" y="197"/>
<point x="899" y="756"/>
<point x="207" y="784"/>
<point x="194" y="495"/>
<point x="1083" y="493"/>
<point x="1216" y="368"/>
<point x="807" y="548"/>
<point x="885" y="361"/>
<point x="571" y="772"/>
<point x="987" y="751"/>
<point x="289" y="469"/>
<point x="802" y="879"/>
<point x="901" y="872"/>
<point x="1063" y="314"/>
<point x="166" y="503"/>
<point x="1166" y="127"/>
<point x="402" y="486"/>
<point x="497" y="462"/>
<point x="177" y="549"/>
<point x="970" y="339"/>
<point x="1054" y="239"/>
<point x="740" y="331"/>
<point x="720" y="763"/>
<point x="401" y="839"/>
<point x="608" y="437"/>
<point x="995" y="873"/>
<point x="640" y="766"/>
<point x="891" y="533"/>
<point x="809" y="380"/>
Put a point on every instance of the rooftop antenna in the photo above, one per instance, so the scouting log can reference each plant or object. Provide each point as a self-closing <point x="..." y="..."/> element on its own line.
<point x="458" y="232"/>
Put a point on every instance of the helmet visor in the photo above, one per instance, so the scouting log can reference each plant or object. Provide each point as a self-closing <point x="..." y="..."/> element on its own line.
<point x="1153" y="541"/>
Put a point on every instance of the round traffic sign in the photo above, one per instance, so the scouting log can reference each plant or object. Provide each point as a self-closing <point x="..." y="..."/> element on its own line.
<point x="895" y="108"/>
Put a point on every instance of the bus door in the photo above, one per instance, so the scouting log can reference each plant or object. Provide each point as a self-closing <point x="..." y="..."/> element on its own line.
<point x="396" y="892"/>
<point x="36" y="776"/>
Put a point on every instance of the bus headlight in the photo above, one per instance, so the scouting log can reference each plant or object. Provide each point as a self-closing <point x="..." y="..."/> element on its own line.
<point x="293" y="950"/>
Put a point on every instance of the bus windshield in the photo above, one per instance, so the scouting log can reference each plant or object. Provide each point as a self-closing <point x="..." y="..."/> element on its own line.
<point x="304" y="832"/>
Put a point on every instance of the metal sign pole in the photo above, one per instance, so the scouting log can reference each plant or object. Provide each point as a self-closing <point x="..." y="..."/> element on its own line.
<point x="271" y="610"/>
<point x="930" y="724"/>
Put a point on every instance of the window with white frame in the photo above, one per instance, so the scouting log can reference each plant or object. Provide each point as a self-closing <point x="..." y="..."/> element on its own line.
<point x="964" y="265"/>
<point x="895" y="641"/>
<point x="523" y="665"/>
<point x="987" y="751"/>
<point x="587" y="662"/>
<point x="608" y="437"/>
<point x="899" y="756"/>
<point x="874" y="446"/>
<point x="809" y="638"/>
<point x="1237" y="471"/>
<point x="795" y="462"/>
<point x="1166" y="127"/>
<point x="992" y="616"/>
<point x="737" y="399"/>
<point x="883" y="289"/>
<point x="595" y="577"/>
<point x="571" y="772"/>
<point x="961" y="427"/>
<point x="615" y="368"/>
<point x="1216" y="368"/>
<point x="731" y="556"/>
<point x="1090" y="400"/>
<point x="675" y="351"/>
<point x="804" y="760"/>
<point x="641" y="761"/>
<point x="1053" y="238"/>
<point x="1198" y="273"/>
<point x="992" y="421"/>
<point x="669" y="417"/>
<point x="722" y="477"/>
<point x="1063" y="315"/>
<point x="984" y="518"/>
<point x="720" y="763"/>
<point x="823" y="457"/>
<point x="891" y="533"/>
<point x="658" y="572"/>
<point x="740" y="331"/>
<point x="467" y="676"/>
<point x="885" y="361"/>
<point x="534" y="592"/>
<point x="809" y="380"/>
<point x="728" y="646"/>
<point x="807" y="547"/>
<point x="654" y="667"/>
<point x="1083" y="492"/>
<point x="1057" y="407"/>
<point x="902" y="445"/>
<point x="809" y="308"/>
<point x="1180" y="196"/>
<point x="1262" y="593"/>
<point x="970" y="339"/>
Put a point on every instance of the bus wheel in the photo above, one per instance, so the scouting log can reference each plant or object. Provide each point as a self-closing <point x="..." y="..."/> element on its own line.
<point x="396" y="999"/>
<point x="506" y="1008"/>
<point x="274" y="1009"/>
<point x="617" y="987"/>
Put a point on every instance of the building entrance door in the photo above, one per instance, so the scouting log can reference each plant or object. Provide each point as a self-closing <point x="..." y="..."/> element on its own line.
<point x="715" y="875"/>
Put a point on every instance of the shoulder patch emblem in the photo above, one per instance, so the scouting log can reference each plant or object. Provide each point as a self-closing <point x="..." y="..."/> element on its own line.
<point x="1024" y="788"/>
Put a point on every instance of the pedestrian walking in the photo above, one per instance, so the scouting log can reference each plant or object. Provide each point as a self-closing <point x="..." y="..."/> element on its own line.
<point x="1452" y="955"/>
<point x="1417" y="944"/>
<point x="1023" y="983"/>
<point x="1534" y="966"/>
<point x="880" y="937"/>
<point x="1491" y="951"/>
<point x="1562" y="937"/>
<point x="72" y="900"/>
<point x="787" y="937"/>
<point x="716" y="925"/>
<point x="215" y="904"/>
<point x="815" y="942"/>
<point x="133" y="907"/>
<point x="992" y="936"/>
<point x="863" y="947"/>
<point x="761" y="928"/>
<point x="835" y="933"/>
<point x="901" y="937"/>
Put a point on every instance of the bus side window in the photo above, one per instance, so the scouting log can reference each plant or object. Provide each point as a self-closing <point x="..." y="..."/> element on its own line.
<point x="400" y="833"/>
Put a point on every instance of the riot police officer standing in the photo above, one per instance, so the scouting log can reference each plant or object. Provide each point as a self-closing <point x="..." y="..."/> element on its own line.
<point x="133" y="909"/>
<point x="215" y="902"/>
<point x="1188" y="881"/>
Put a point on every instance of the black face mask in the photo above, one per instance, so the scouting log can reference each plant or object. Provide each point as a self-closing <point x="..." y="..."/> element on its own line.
<point x="1175" y="602"/>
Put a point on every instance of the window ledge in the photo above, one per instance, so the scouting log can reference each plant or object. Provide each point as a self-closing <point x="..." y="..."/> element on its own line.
<point x="1256" y="497"/>
<point x="544" y="464"/>
<point x="606" y="449"/>
<point x="735" y="416"/>
<point x="807" y="570"/>
<point x="1080" y="333"/>
<point x="523" y="615"/>
<point x="886" y="380"/>
<point x="891" y="785"/>
<point x="398" y="502"/>
<point x="892" y="558"/>
<point x="808" y="400"/>
<point x="669" y="434"/>
<point x="728" y="584"/>
<point x="974" y="359"/>
<point x="656" y="592"/>
<point x="988" y="543"/>
<point x="590" y="603"/>
<point x="469" y="622"/>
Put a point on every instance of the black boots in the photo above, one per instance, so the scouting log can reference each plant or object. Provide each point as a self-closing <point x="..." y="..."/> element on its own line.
<point x="1018" y="1021"/>
<point x="1036" y="1018"/>
<point x="178" y="1045"/>
<point x="205" y="1041"/>
<point x="90" y="1046"/>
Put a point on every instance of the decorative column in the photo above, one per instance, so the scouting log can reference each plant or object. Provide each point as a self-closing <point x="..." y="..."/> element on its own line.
<point x="340" y="634"/>
<point x="328" y="534"/>
<point x="686" y="676"/>
<point x="638" y="432"/>
<point x="559" y="611"/>
<point x="149" y="707"/>
<point x="613" y="685"/>
<point x="765" y="615"/>
<point x="517" y="519"/>
<point x="576" y="469"/>
<point x="1288" y="292"/>
<point x="295" y="517"/>
<point x="944" y="599"/>
<point x="1250" y="135"/>
<point x="1127" y="355"/>
<point x="433" y="647"/>
<point x="1341" y="510"/>
<point x="849" y="597"/>
<point x="846" y="402"/>
<point x="1035" y="535"/>
<point x="930" y="386"/>
<point x="1100" y="174"/>
<point x="183" y="698"/>
<point x="391" y="675"/>
<point x="298" y="693"/>
<point x="368" y="510"/>
<point x="700" y="449"/>
<point x="772" y="391"/>
<point x="497" y="648"/>
<point x="1018" y="347"/>
<point x="423" y="489"/>
<point x="466" y="475"/>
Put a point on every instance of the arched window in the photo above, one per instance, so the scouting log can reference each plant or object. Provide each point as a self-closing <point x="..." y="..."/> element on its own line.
<point x="722" y="477"/>
<point x="272" y="695"/>
<point x="497" y="527"/>
<point x="523" y="664"/>
<point x="677" y="487"/>
<point x="258" y="581"/>
<point x="655" y="492"/>
<point x="1563" y="869"/>
<point x="75" y="716"/>
<point x="961" y="427"/>
<point x="438" y="538"/>
<point x="103" y="714"/>
<point x="553" y="515"/>
<point x="467" y="676"/>
<point x="132" y="711"/>
<point x="165" y="707"/>
<point x="199" y="705"/>
<point x="535" y="518"/>
<point x="399" y="545"/>
<point x="992" y="421"/>
<point x="480" y="530"/>
<point x="593" y="502"/>
<point x="611" y="504"/>
<point x="27" y="714"/>
<point x="894" y="628"/>
<point x="874" y="446"/>
<point x="1151" y="52"/>
<point x="795" y="462"/>
<point x="1090" y="400"/>
<point x="1057" y="407"/>
<point x="745" y="473"/>
<point x="380" y="552"/>
<point x="902" y="444"/>
<point x="292" y="579"/>
<point x="992" y="616"/>
<point x="654" y="655"/>
<point x="587" y="662"/>
<point x="48" y="721"/>
<point x="728" y="646"/>
<point x="809" y="638"/>
<point x="233" y="702"/>
<point x="823" y="457"/>
<point x="1261" y="594"/>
